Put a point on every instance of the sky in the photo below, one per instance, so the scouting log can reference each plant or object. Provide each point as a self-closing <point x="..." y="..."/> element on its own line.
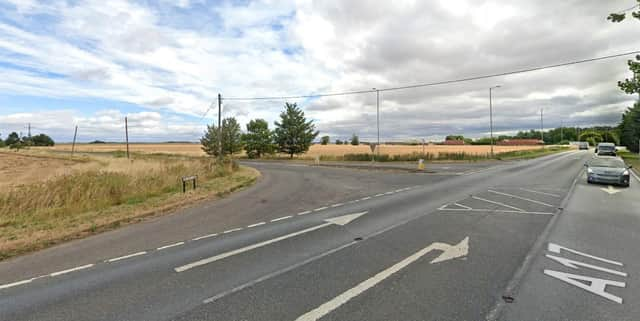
<point x="162" y="63"/>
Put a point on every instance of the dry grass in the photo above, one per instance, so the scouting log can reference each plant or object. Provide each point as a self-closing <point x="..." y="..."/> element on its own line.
<point x="168" y="148"/>
<point x="73" y="199"/>
<point x="315" y="150"/>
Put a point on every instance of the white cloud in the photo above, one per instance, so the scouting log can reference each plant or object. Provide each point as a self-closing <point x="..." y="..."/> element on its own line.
<point x="129" y="52"/>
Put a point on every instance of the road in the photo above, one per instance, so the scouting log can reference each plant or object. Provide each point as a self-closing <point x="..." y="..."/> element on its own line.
<point x="499" y="242"/>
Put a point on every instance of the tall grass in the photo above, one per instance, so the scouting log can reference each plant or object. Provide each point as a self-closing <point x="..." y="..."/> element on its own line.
<point x="99" y="189"/>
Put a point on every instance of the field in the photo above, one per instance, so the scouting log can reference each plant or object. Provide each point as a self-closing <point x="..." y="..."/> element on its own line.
<point x="48" y="198"/>
<point x="315" y="150"/>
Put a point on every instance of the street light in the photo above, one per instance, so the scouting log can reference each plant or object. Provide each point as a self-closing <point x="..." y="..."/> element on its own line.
<point x="378" y="119"/>
<point x="491" y="116"/>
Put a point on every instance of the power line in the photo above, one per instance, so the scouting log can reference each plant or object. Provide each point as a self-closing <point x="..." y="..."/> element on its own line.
<point x="628" y="9"/>
<point x="444" y="82"/>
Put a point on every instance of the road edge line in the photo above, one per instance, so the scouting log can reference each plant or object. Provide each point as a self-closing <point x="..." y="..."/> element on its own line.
<point x="521" y="272"/>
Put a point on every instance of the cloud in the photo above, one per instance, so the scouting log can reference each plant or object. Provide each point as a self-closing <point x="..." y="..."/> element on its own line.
<point x="174" y="57"/>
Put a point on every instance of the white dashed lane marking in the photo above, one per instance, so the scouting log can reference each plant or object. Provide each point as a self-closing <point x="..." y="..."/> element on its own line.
<point x="71" y="270"/>
<point x="170" y="246"/>
<point x="204" y="237"/>
<point x="281" y="218"/>
<point x="257" y="224"/>
<point x="126" y="256"/>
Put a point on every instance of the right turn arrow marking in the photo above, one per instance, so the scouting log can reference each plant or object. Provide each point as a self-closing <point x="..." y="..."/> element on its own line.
<point x="448" y="252"/>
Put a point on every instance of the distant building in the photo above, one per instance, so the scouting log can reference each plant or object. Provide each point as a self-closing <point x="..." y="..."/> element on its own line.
<point x="520" y="142"/>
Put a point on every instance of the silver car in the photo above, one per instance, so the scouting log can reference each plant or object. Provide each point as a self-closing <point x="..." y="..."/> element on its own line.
<point x="608" y="170"/>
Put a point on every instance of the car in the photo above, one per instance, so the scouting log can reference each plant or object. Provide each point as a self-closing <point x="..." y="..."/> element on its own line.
<point x="606" y="149"/>
<point x="583" y="145"/>
<point x="608" y="170"/>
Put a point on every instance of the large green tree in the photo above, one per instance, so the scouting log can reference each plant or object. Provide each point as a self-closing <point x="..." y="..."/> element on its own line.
<point x="294" y="133"/>
<point x="42" y="140"/>
<point x="12" y="139"/>
<point x="629" y="127"/>
<point x="259" y="139"/>
<point x="355" y="140"/>
<point x="324" y="140"/>
<point x="231" y="138"/>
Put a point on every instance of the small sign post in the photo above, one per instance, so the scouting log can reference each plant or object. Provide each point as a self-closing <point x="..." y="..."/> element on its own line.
<point x="185" y="179"/>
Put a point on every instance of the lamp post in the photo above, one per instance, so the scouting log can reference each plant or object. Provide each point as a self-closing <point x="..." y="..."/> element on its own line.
<point x="491" y="115"/>
<point x="378" y="119"/>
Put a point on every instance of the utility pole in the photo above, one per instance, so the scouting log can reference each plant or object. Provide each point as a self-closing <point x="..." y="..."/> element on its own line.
<point x="219" y="127"/>
<point x="561" y="133"/>
<point x="73" y="146"/>
<point x="541" y="128"/>
<point x="126" y="133"/>
<point x="29" y="131"/>
<point x="378" y="120"/>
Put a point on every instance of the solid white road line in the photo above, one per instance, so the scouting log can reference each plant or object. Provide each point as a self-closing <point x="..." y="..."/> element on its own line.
<point x="497" y="203"/>
<point x="281" y="218"/>
<point x="204" y="237"/>
<point x="389" y="193"/>
<point x="541" y="193"/>
<point x="126" y="256"/>
<point x="232" y="230"/>
<point x="257" y="224"/>
<point x="71" y="270"/>
<point x="320" y="209"/>
<point x="169" y="246"/>
<point x="497" y="211"/>
<point x="304" y="213"/>
<point x="521" y="198"/>
<point x="343" y="298"/>
<point x="246" y="248"/>
<point x="634" y="174"/>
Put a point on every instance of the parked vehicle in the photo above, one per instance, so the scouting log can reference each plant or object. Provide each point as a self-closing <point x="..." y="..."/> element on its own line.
<point x="608" y="170"/>
<point x="583" y="145"/>
<point x="606" y="149"/>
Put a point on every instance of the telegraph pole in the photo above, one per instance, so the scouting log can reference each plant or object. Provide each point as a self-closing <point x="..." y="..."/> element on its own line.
<point x="29" y="131"/>
<point x="561" y="133"/>
<point x="219" y="127"/>
<point x="126" y="134"/>
<point x="73" y="146"/>
<point x="541" y="128"/>
<point x="378" y="120"/>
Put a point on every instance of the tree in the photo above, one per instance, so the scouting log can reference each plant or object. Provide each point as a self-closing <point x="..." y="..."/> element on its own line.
<point x="454" y="137"/>
<point x="42" y="140"/>
<point x="629" y="127"/>
<point x="591" y="136"/>
<point x="355" y="141"/>
<point x="258" y="140"/>
<point x="294" y="133"/>
<point x="231" y="138"/>
<point x="338" y="142"/>
<point x="12" y="139"/>
<point x="324" y="140"/>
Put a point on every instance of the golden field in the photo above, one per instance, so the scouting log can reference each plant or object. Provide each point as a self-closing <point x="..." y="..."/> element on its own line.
<point x="47" y="198"/>
<point x="315" y="150"/>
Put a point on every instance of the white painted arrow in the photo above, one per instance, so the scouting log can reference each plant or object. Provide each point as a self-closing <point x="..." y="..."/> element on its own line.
<point x="340" y="220"/>
<point x="448" y="252"/>
<point x="611" y="190"/>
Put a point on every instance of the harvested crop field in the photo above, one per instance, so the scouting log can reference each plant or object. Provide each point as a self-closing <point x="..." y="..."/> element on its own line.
<point x="20" y="169"/>
<point x="315" y="150"/>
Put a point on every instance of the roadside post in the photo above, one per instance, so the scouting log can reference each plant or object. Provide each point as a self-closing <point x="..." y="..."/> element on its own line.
<point x="373" y="149"/>
<point x="421" y="164"/>
<point x="317" y="159"/>
<point x="185" y="179"/>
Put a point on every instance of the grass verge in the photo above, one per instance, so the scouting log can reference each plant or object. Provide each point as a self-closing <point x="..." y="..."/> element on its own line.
<point x="83" y="203"/>
<point x="632" y="159"/>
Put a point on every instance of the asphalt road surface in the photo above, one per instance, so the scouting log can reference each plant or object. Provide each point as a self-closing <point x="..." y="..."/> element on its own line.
<point x="526" y="240"/>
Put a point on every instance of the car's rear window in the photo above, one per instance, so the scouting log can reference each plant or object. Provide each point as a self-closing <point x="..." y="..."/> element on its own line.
<point x="613" y="162"/>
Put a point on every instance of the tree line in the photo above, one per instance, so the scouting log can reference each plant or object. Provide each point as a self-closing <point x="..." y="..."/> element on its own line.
<point x="14" y="141"/>
<point x="293" y="134"/>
